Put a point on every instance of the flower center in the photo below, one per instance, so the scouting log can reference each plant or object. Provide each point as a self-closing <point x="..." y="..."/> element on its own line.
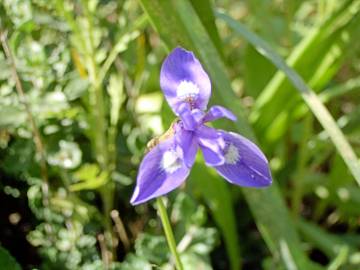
<point x="171" y="161"/>
<point x="187" y="91"/>
<point x="232" y="155"/>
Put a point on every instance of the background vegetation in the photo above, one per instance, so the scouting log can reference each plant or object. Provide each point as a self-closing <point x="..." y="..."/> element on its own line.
<point x="73" y="130"/>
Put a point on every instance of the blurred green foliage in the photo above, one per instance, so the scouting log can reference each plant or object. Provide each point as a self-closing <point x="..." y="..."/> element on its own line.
<point x="90" y="73"/>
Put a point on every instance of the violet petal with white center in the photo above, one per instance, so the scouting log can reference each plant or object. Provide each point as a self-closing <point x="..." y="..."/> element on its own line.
<point x="183" y="80"/>
<point x="245" y="164"/>
<point x="162" y="170"/>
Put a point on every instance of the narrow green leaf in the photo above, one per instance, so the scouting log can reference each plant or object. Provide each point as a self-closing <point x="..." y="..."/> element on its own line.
<point x="331" y="93"/>
<point x="316" y="58"/>
<point x="218" y="198"/>
<point x="257" y="72"/>
<point x="205" y="12"/>
<point x="328" y="243"/>
<point x="340" y="259"/>
<point x="315" y="105"/>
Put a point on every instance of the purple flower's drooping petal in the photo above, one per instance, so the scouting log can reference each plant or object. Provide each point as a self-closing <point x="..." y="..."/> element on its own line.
<point x="188" y="143"/>
<point x="183" y="80"/>
<point x="162" y="170"/>
<point x="211" y="144"/>
<point x="217" y="112"/>
<point x="212" y="156"/>
<point x="245" y="164"/>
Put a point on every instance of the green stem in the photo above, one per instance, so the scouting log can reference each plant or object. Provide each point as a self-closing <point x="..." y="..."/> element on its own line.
<point x="168" y="232"/>
<point x="98" y="121"/>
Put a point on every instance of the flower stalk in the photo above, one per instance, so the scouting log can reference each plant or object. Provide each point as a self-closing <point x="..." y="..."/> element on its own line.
<point x="168" y="232"/>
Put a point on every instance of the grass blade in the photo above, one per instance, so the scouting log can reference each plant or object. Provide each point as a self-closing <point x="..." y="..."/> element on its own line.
<point x="206" y="15"/>
<point x="316" y="59"/>
<point x="315" y="105"/>
<point x="218" y="198"/>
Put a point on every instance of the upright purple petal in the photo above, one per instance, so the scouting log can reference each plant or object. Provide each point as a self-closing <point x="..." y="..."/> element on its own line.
<point x="191" y="119"/>
<point x="162" y="170"/>
<point x="211" y="144"/>
<point x="183" y="80"/>
<point x="186" y="117"/>
<point x="245" y="164"/>
<point x="217" y="112"/>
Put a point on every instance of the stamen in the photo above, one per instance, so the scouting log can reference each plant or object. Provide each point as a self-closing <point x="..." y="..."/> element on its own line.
<point x="171" y="161"/>
<point x="232" y="155"/>
<point x="187" y="91"/>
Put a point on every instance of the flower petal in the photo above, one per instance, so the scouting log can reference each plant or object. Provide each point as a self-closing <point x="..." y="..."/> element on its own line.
<point x="186" y="117"/>
<point x="207" y="132"/>
<point x="211" y="144"/>
<point x="161" y="171"/>
<point x="183" y="80"/>
<point x="245" y="164"/>
<point x="190" y="118"/>
<point x="188" y="143"/>
<point x="216" y="112"/>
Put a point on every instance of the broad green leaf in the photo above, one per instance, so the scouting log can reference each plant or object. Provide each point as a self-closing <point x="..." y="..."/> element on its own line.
<point x="135" y="262"/>
<point x="187" y="213"/>
<point x="11" y="116"/>
<point x="179" y="25"/>
<point x="195" y="261"/>
<point x="7" y="261"/>
<point x="68" y="156"/>
<point x="314" y="103"/>
<point x="152" y="248"/>
<point x="76" y="87"/>
<point x="89" y="177"/>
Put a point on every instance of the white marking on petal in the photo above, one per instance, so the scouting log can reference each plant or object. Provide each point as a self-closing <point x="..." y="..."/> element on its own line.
<point x="187" y="90"/>
<point x="171" y="161"/>
<point x="232" y="155"/>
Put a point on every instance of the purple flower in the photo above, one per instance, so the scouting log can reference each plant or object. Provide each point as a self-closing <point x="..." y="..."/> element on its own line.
<point x="187" y="89"/>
